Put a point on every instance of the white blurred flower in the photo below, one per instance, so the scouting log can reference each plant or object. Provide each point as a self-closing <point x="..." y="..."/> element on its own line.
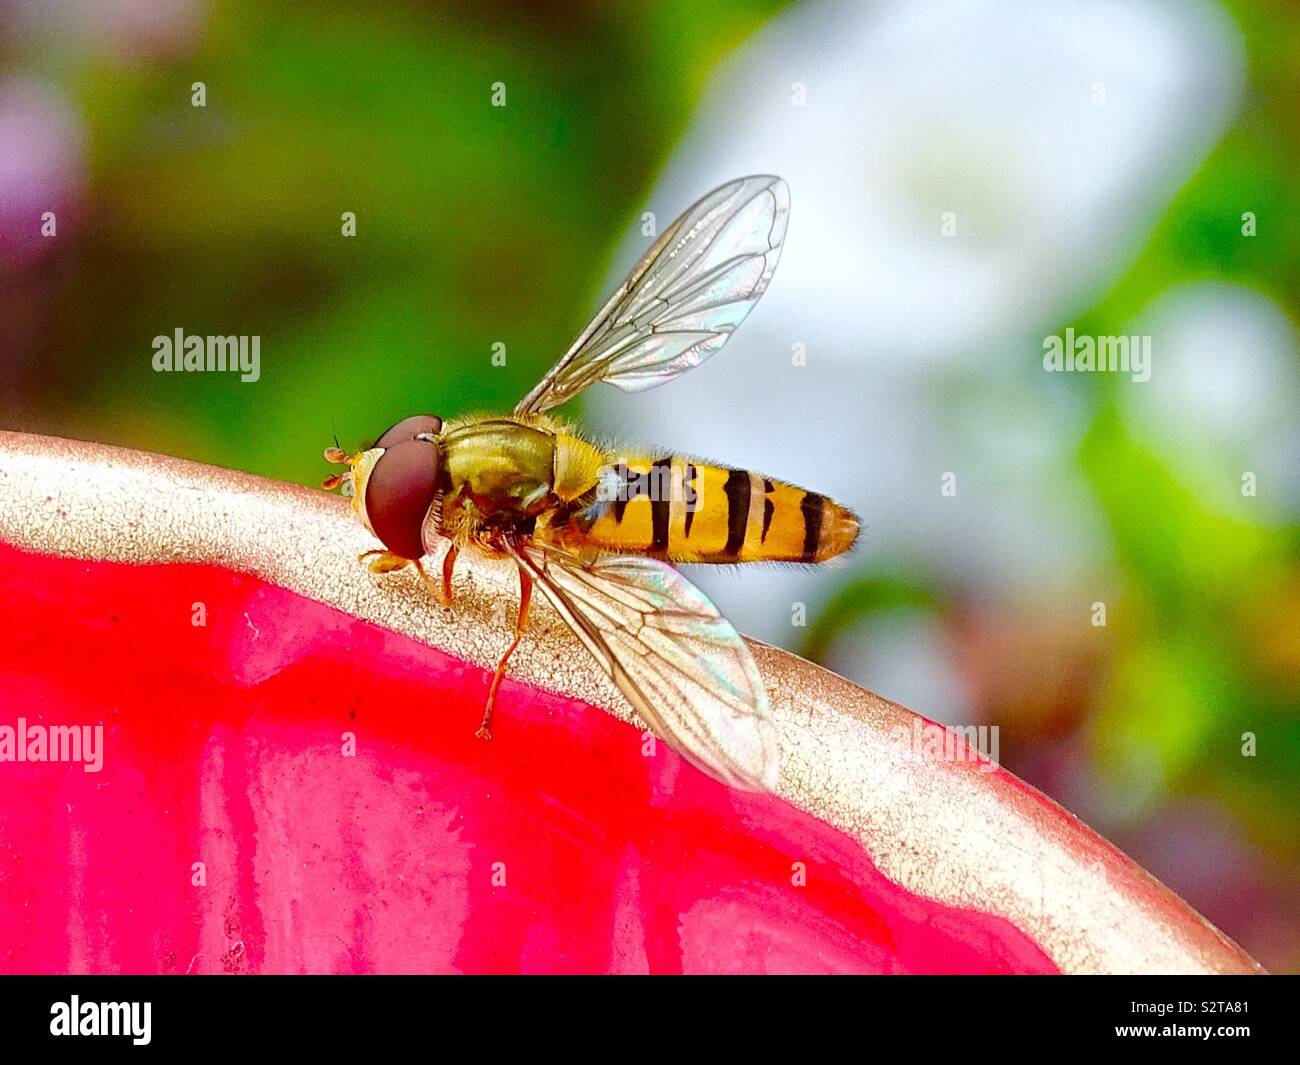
<point x="1055" y="133"/>
<point x="1224" y="397"/>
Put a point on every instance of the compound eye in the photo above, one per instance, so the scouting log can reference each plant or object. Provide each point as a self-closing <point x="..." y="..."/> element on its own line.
<point x="410" y="428"/>
<point x="399" y="492"/>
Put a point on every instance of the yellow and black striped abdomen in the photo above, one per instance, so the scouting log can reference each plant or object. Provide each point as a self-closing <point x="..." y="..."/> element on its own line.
<point x="688" y="511"/>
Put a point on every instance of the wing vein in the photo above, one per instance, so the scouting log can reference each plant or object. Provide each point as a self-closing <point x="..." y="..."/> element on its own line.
<point x="680" y="664"/>
<point x="683" y="300"/>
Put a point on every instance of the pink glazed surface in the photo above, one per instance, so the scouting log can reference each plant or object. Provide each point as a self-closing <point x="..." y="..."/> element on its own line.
<point x="231" y="829"/>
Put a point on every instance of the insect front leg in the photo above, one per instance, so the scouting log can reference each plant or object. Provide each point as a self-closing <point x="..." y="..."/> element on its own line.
<point x="525" y="597"/>
<point x="384" y="561"/>
<point x="448" y="564"/>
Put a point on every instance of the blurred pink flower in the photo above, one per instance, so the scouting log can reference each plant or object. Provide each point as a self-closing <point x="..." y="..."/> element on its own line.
<point x="128" y="30"/>
<point x="42" y="169"/>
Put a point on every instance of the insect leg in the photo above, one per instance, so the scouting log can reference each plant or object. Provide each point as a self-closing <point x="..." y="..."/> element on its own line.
<point x="448" y="563"/>
<point x="424" y="576"/>
<point x="384" y="561"/>
<point x="525" y="597"/>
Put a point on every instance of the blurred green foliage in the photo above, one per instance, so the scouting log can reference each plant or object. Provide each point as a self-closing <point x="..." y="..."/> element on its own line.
<point x="475" y="224"/>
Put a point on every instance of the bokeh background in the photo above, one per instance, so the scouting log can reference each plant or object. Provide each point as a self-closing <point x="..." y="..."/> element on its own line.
<point x="1095" y="163"/>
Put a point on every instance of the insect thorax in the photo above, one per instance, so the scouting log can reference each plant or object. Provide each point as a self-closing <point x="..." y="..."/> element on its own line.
<point x="500" y="474"/>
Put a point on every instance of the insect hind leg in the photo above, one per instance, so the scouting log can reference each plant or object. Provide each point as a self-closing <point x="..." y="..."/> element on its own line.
<point x="525" y="597"/>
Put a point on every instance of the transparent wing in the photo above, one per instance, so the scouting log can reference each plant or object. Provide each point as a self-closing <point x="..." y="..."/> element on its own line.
<point x="680" y="664"/>
<point x="683" y="299"/>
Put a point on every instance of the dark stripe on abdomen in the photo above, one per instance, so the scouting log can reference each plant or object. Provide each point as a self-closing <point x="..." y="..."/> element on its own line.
<point x="813" y="507"/>
<point x="769" y="509"/>
<point x="737" y="489"/>
<point x="661" y="473"/>
<point x="691" y="500"/>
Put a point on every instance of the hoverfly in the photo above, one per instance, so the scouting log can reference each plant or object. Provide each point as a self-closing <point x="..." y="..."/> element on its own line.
<point x="595" y="528"/>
